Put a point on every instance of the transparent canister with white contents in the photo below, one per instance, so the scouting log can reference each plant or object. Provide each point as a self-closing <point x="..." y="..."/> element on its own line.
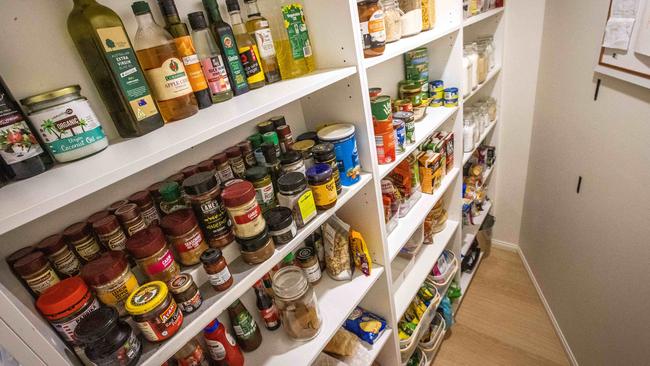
<point x="66" y="123"/>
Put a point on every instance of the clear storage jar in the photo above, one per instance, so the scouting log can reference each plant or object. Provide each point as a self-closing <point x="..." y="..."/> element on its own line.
<point x="412" y="18"/>
<point x="297" y="304"/>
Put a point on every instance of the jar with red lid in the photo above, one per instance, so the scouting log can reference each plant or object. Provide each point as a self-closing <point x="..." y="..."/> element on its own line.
<point x="190" y="171"/>
<point x="111" y="278"/>
<point x="224" y="171"/>
<point x="204" y="195"/>
<point x="110" y="233"/>
<point x="150" y="250"/>
<point x="130" y="218"/>
<point x="216" y="267"/>
<point x="243" y="209"/>
<point x="57" y="251"/>
<point x="36" y="271"/>
<point x="65" y="304"/>
<point x="97" y="216"/>
<point x="115" y="205"/>
<point x="147" y="207"/>
<point x="15" y="256"/>
<point x="154" y="310"/>
<point x="185" y="236"/>
<point x="80" y="237"/>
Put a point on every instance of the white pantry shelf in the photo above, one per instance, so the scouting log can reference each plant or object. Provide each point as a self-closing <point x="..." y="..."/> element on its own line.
<point x="470" y="231"/>
<point x="482" y="16"/>
<point x="432" y="121"/>
<point x="27" y="200"/>
<point x="486" y="132"/>
<point x="407" y="225"/>
<point x="245" y="276"/>
<point x="488" y="78"/>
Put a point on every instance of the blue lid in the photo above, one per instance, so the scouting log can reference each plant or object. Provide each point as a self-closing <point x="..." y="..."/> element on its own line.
<point x="212" y="326"/>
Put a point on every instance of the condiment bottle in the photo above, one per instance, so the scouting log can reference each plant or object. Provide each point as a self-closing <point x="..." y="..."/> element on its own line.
<point x="263" y="184"/>
<point x="247" y="333"/>
<point x="222" y="346"/>
<point x="236" y="161"/>
<point x="171" y="198"/>
<point x="258" y="27"/>
<point x="243" y="209"/>
<point x="246" y="148"/>
<point x="308" y="261"/>
<point x="217" y="269"/>
<point x="291" y="161"/>
<point x="57" y="251"/>
<point x="191" y="354"/>
<point x="184" y="234"/>
<point x="130" y="218"/>
<point x="82" y="240"/>
<point x="267" y="309"/>
<point x="36" y="271"/>
<point x="204" y="195"/>
<point x="296" y="195"/>
<point x="147" y="207"/>
<point x="248" y="52"/>
<point x="224" y="171"/>
<point x="152" y="254"/>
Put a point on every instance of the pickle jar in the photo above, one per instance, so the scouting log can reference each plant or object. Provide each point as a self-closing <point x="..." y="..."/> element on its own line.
<point x="243" y="209"/>
<point x="111" y="279"/>
<point x="185" y="236"/>
<point x="150" y="250"/>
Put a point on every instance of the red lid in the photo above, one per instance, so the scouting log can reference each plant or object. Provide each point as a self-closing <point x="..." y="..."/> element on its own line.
<point x="220" y="158"/>
<point x="206" y="165"/>
<point x="146" y="242"/>
<point x="141" y="198"/>
<point x="63" y="299"/>
<point x="97" y="216"/>
<point x="115" y="205"/>
<point x="245" y="146"/>
<point x="238" y="193"/>
<point x="30" y="263"/>
<point x="51" y="244"/>
<point x="178" y="222"/>
<point x="190" y="171"/>
<point x="106" y="225"/>
<point x="127" y="212"/>
<point x="232" y="152"/>
<point x="77" y="231"/>
<point x="15" y="256"/>
<point x="283" y="131"/>
<point x="154" y="190"/>
<point x="104" y="269"/>
<point x="178" y="178"/>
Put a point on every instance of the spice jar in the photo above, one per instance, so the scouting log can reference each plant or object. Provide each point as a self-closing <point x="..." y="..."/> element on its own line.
<point x="257" y="249"/>
<point x="110" y="233"/>
<point x="246" y="148"/>
<point x="272" y="138"/>
<point x="36" y="271"/>
<point x="281" y="226"/>
<point x="291" y="161"/>
<point x="154" y="191"/>
<point x="60" y="255"/>
<point x="150" y="250"/>
<point x="286" y="138"/>
<point x="296" y="195"/>
<point x="82" y="240"/>
<point x="108" y="340"/>
<point x="207" y="166"/>
<point x="65" y="304"/>
<point x="324" y="153"/>
<point x="171" y="198"/>
<point x="97" y="216"/>
<point x="147" y="207"/>
<point x="308" y="261"/>
<point x="189" y="171"/>
<point x="186" y="293"/>
<point x="154" y="311"/>
<point x="130" y="218"/>
<point x="224" y="171"/>
<point x="217" y="269"/>
<point x="296" y="301"/>
<point x="115" y="205"/>
<point x="373" y="31"/>
<point x="236" y="161"/>
<point x="392" y="20"/>
<point x="322" y="185"/>
<point x="20" y="253"/>
<point x="243" y="209"/>
<point x="184" y="235"/>
<point x="204" y="195"/>
<point x="111" y="279"/>
<point x="65" y="121"/>
<point x="191" y="354"/>
<point x="278" y="121"/>
<point x="304" y="148"/>
<point x="264" y="193"/>
<point x="265" y="126"/>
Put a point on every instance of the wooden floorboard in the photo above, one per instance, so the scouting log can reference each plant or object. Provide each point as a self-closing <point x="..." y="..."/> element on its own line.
<point x="502" y="320"/>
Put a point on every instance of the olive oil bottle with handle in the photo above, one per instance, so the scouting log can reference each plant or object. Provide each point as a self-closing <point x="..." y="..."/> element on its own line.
<point x="104" y="47"/>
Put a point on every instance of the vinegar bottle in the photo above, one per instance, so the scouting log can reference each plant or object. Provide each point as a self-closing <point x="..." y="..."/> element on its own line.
<point x="258" y="27"/>
<point x="163" y="67"/>
<point x="248" y="53"/>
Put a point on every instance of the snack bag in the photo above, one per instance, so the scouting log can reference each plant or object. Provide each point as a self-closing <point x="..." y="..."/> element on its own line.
<point x="366" y="325"/>
<point x="360" y="253"/>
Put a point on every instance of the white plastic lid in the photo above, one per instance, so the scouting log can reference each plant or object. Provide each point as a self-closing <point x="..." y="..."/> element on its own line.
<point x="336" y="132"/>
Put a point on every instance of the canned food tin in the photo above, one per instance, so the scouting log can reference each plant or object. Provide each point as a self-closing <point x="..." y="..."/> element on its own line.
<point x="345" y="147"/>
<point x="451" y="93"/>
<point x="402" y="105"/>
<point x="380" y="107"/>
<point x="400" y="135"/>
<point x="437" y="102"/>
<point x="385" y="142"/>
<point x="374" y="92"/>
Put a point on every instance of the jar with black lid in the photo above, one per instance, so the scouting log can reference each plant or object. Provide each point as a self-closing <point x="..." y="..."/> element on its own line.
<point x="186" y="293"/>
<point x="282" y="228"/>
<point x="108" y="340"/>
<point x="304" y="147"/>
<point x="257" y="249"/>
<point x="324" y="153"/>
<point x="216" y="267"/>
<point x="309" y="135"/>
<point x="265" y="126"/>
<point x="291" y="161"/>
<point x="278" y="121"/>
<point x="296" y="195"/>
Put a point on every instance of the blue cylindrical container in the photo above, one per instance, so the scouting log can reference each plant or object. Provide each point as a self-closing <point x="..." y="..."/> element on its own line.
<point x="345" y="148"/>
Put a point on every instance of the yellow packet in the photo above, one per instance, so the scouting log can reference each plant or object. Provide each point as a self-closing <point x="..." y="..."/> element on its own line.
<point x="360" y="253"/>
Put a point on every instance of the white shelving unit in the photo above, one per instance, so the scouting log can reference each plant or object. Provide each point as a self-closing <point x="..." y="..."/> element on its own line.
<point x="337" y="91"/>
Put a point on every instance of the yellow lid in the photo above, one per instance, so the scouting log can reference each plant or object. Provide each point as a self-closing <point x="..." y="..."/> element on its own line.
<point x="146" y="298"/>
<point x="52" y="94"/>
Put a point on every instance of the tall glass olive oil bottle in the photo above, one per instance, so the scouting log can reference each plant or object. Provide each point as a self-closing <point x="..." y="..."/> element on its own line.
<point x="163" y="67"/>
<point x="104" y="47"/>
<point x="258" y="27"/>
<point x="248" y="52"/>
<point x="186" y="48"/>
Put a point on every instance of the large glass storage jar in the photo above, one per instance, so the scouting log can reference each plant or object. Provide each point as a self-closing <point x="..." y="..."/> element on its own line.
<point x="483" y="62"/>
<point x="297" y="303"/>
<point x="412" y="19"/>
<point x="373" y="29"/>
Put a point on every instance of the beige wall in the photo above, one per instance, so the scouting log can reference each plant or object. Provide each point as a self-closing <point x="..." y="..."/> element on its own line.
<point x="589" y="251"/>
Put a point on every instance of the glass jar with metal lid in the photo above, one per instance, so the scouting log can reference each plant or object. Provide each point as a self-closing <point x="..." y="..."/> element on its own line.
<point x="66" y="123"/>
<point x="154" y="311"/>
<point x="297" y="304"/>
<point x="111" y="278"/>
<point x="308" y="261"/>
<point x="257" y="249"/>
<point x="186" y="293"/>
<point x="304" y="147"/>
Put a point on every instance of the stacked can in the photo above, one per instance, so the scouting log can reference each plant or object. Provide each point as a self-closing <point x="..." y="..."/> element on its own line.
<point x="382" y="119"/>
<point x="416" y="64"/>
<point x="436" y="92"/>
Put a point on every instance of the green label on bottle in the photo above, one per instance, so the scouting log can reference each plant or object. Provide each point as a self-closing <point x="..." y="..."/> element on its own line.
<point x="244" y="325"/>
<point x="294" y="22"/>
<point x="125" y="67"/>
<point x="234" y="62"/>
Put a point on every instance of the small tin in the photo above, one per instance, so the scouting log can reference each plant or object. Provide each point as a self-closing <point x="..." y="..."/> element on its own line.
<point x="380" y="107"/>
<point x="451" y="97"/>
<point x="400" y="135"/>
<point x="403" y="105"/>
<point x="374" y="92"/>
<point x="437" y="103"/>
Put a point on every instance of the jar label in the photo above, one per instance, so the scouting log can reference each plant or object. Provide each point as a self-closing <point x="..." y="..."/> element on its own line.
<point x="251" y="61"/>
<point x="212" y="217"/>
<point x="115" y="240"/>
<point x="227" y="45"/>
<point x="306" y="207"/>
<point x="66" y="262"/>
<point x="191" y="61"/>
<point x="244" y="325"/>
<point x="219" y="278"/>
<point x="68" y="127"/>
<point x="312" y="272"/>
<point x="373" y="31"/>
<point x="44" y="281"/>
<point x="16" y="140"/>
<point x="325" y="194"/>
<point x="264" y="43"/>
<point x="251" y="214"/>
<point x="225" y="173"/>
<point x="195" y="241"/>
<point x="88" y="249"/>
<point x="164" y="325"/>
<point x="134" y="225"/>
<point x="294" y="23"/>
<point x="215" y="73"/>
<point x="169" y="81"/>
<point x="150" y="216"/>
<point x="216" y="349"/>
<point x="191" y="304"/>
<point x="117" y="294"/>
<point x="66" y="329"/>
<point x="127" y="71"/>
<point x="238" y="167"/>
<point x="165" y="262"/>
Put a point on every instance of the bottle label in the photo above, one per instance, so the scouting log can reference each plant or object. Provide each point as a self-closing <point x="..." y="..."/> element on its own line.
<point x="127" y="71"/>
<point x="270" y="316"/>
<point x="215" y="73"/>
<point x="66" y="329"/>
<point x="115" y="240"/>
<point x="68" y="127"/>
<point x="225" y="173"/>
<point x="191" y="304"/>
<point x="169" y="81"/>
<point x="191" y="62"/>
<point x="250" y="60"/>
<point x="44" y="281"/>
<point x="229" y="48"/>
<point x="294" y="22"/>
<point x="17" y="143"/>
<point x="216" y="349"/>
<point x="219" y="278"/>
<point x="150" y="216"/>
<point x="88" y="249"/>
<point x="213" y="218"/>
<point x="264" y="42"/>
<point x="265" y="195"/>
<point x="244" y="325"/>
<point x="373" y="31"/>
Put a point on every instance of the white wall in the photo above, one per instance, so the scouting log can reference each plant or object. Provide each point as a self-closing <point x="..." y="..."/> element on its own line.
<point x="523" y="40"/>
<point x="589" y="251"/>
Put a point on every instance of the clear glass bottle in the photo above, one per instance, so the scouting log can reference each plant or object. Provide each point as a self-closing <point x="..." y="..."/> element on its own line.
<point x="258" y="27"/>
<point x="248" y="52"/>
<point x="161" y="61"/>
<point x="210" y="58"/>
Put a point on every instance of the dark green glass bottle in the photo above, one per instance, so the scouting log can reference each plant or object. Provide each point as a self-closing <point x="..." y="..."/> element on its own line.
<point x="105" y="48"/>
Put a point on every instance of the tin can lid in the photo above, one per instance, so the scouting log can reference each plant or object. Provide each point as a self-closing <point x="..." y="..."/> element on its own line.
<point x="52" y="94"/>
<point x="265" y="126"/>
<point x="63" y="298"/>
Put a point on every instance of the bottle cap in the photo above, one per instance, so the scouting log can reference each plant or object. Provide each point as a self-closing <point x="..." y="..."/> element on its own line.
<point x="140" y="7"/>
<point x="197" y="20"/>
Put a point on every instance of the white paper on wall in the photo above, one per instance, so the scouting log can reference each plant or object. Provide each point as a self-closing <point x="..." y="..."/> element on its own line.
<point x="642" y="44"/>
<point x="620" y="24"/>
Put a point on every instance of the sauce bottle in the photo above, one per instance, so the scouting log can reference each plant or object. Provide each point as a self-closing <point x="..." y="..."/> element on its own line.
<point x="222" y="347"/>
<point x="248" y="52"/>
<point x="266" y="307"/>
<point x="247" y="332"/>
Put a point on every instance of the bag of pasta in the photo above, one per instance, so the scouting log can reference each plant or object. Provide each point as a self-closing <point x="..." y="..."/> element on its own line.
<point x="336" y="235"/>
